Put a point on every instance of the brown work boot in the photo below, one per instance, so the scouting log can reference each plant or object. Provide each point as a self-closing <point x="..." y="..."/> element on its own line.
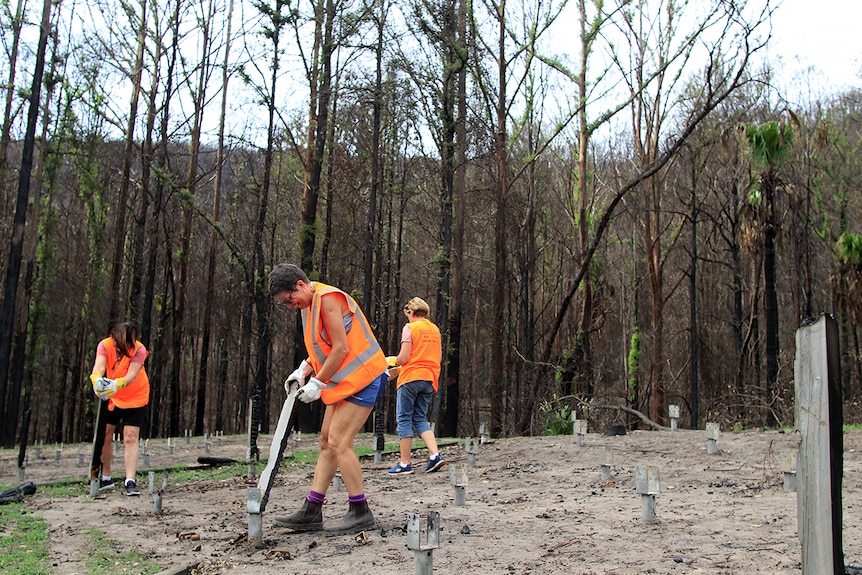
<point x="358" y="518"/>
<point x="308" y="518"/>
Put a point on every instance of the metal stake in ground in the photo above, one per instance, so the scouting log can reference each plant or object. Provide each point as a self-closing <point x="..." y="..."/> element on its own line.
<point x="580" y="429"/>
<point x="673" y="413"/>
<point x="423" y="553"/>
<point x="647" y="484"/>
<point x="458" y="479"/>
<point x="712" y="432"/>
<point x="606" y="461"/>
<point x="787" y="463"/>
<point x="471" y="446"/>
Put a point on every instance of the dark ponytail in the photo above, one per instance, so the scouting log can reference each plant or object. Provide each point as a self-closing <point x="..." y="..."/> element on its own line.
<point x="125" y="335"/>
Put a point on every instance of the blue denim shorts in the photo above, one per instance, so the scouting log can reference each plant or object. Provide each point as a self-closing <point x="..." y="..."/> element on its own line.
<point x="413" y="400"/>
<point x="367" y="396"/>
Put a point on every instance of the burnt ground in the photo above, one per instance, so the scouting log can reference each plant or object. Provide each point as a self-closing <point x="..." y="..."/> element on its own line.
<point x="534" y="505"/>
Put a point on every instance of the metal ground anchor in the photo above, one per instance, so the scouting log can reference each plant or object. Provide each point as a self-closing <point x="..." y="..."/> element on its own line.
<point x="647" y="484"/>
<point x="471" y="446"/>
<point x="458" y="479"/>
<point x="255" y="517"/>
<point x="423" y="553"/>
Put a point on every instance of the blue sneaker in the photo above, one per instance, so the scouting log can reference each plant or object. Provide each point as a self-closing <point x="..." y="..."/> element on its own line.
<point x="435" y="463"/>
<point x="401" y="469"/>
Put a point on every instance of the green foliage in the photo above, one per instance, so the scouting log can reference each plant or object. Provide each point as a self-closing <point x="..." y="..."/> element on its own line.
<point x="556" y="417"/>
<point x="768" y="143"/>
<point x="634" y="362"/>
<point x="848" y="248"/>
<point x="24" y="545"/>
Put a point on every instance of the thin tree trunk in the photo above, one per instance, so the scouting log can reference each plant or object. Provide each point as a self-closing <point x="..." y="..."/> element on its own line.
<point x="16" y="248"/>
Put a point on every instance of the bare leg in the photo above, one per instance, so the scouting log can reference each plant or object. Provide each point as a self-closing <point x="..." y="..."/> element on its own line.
<point x="130" y="441"/>
<point x="430" y="442"/>
<point x="108" y="449"/>
<point x="405" y="445"/>
<point x="341" y="423"/>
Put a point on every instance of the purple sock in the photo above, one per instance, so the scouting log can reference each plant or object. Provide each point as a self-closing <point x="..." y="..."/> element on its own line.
<point x="315" y="497"/>
<point x="357" y="498"/>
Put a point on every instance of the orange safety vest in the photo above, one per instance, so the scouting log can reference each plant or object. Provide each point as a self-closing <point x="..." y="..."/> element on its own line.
<point x="364" y="361"/>
<point x="136" y="393"/>
<point x="426" y="353"/>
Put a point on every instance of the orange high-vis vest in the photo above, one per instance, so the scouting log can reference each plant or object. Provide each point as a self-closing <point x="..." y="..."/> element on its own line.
<point x="426" y="352"/>
<point x="136" y="393"/>
<point x="364" y="361"/>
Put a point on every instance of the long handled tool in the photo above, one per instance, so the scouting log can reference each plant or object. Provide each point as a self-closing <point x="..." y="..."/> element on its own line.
<point x="286" y="421"/>
<point x="98" y="442"/>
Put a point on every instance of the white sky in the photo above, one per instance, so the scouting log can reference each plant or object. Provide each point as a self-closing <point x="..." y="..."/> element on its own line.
<point x="820" y="34"/>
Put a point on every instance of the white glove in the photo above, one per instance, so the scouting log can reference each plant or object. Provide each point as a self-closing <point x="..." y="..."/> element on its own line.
<point x="106" y="388"/>
<point x="310" y="391"/>
<point x="298" y="375"/>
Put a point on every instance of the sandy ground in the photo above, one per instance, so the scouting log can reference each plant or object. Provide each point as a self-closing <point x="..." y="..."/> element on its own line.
<point x="533" y="505"/>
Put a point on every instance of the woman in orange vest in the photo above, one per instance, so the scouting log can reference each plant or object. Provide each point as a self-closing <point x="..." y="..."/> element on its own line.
<point x="349" y="371"/>
<point x="119" y="377"/>
<point x="418" y="377"/>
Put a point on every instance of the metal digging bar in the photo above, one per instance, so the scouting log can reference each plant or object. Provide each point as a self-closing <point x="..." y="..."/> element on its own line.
<point x="258" y="497"/>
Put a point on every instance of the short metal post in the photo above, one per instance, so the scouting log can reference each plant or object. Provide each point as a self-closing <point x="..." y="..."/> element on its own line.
<point x="471" y="446"/>
<point x="606" y="461"/>
<point x="156" y="494"/>
<point x="57" y="452"/>
<point x="170" y="447"/>
<point x="94" y="486"/>
<point x="483" y="436"/>
<point x="673" y="413"/>
<point x="787" y="462"/>
<point x="423" y="553"/>
<point x="580" y="429"/>
<point x="337" y="482"/>
<point x="80" y="456"/>
<point x="712" y="432"/>
<point x="20" y="474"/>
<point x="218" y="437"/>
<point x="38" y="452"/>
<point x="459" y="480"/>
<point x="255" y="518"/>
<point x="647" y="484"/>
<point x="207" y="445"/>
<point x="296" y="439"/>
<point x="188" y="436"/>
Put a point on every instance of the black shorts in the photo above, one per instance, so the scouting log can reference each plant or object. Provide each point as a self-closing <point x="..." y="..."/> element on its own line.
<point x="133" y="416"/>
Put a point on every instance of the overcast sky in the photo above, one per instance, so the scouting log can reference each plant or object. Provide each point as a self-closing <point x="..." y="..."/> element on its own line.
<point x="823" y="34"/>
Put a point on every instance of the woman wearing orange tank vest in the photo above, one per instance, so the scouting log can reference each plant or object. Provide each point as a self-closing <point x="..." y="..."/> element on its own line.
<point x="119" y="377"/>
<point x="349" y="371"/>
<point x="419" y="360"/>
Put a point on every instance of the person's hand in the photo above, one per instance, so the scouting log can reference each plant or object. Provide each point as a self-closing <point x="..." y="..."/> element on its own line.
<point x="298" y="375"/>
<point x="94" y="379"/>
<point x="108" y="387"/>
<point x="392" y="361"/>
<point x="310" y="391"/>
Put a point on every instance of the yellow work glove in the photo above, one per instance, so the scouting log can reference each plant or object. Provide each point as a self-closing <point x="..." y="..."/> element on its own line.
<point x="392" y="361"/>
<point x="94" y="379"/>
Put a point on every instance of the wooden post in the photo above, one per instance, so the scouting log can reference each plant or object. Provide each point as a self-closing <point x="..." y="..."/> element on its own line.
<point x="820" y="464"/>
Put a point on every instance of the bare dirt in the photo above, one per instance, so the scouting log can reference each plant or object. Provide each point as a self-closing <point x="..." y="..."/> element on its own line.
<point x="533" y="505"/>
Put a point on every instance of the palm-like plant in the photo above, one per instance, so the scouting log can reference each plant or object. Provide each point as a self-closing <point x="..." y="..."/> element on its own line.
<point x="768" y="146"/>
